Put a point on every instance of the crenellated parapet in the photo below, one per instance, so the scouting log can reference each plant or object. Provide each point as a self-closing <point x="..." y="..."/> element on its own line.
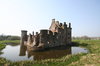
<point x="58" y="34"/>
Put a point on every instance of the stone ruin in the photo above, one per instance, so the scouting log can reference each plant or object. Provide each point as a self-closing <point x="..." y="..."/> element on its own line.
<point x="58" y="34"/>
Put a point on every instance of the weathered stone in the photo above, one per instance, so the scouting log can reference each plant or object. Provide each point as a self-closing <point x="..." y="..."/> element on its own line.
<point x="57" y="35"/>
<point x="23" y="36"/>
<point x="30" y="40"/>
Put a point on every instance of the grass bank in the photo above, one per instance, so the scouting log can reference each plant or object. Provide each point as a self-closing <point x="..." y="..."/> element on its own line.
<point x="90" y="59"/>
<point x="2" y="46"/>
<point x="3" y="43"/>
<point x="93" y="57"/>
<point x="10" y="42"/>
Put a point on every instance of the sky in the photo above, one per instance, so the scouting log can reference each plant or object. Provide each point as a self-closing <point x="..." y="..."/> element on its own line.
<point x="34" y="15"/>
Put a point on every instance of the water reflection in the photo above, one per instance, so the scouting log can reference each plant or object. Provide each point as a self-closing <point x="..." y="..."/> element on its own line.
<point x="12" y="53"/>
<point x="22" y="50"/>
<point x="47" y="54"/>
<point x="20" y="53"/>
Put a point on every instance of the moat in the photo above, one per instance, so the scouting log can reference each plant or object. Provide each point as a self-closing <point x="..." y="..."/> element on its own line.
<point x="15" y="53"/>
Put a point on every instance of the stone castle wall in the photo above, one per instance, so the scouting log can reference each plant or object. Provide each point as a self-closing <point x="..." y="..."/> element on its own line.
<point x="57" y="35"/>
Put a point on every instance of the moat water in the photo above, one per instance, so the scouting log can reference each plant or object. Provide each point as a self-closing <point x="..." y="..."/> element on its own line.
<point x="15" y="53"/>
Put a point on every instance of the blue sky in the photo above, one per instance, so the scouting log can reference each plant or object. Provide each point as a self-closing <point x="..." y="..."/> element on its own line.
<point x="33" y="15"/>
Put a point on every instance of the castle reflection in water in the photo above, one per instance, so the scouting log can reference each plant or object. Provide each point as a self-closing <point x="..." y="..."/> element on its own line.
<point x="47" y="54"/>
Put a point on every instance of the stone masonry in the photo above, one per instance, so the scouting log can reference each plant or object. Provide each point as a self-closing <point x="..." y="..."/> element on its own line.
<point x="58" y="34"/>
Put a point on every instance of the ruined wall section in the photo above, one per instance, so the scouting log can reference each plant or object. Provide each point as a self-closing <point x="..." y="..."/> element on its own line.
<point x="55" y="39"/>
<point x="52" y="39"/>
<point x="30" y="40"/>
<point x="58" y="34"/>
<point x="36" y="39"/>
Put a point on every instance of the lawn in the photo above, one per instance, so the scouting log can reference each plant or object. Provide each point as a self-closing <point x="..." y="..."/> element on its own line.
<point x="83" y="59"/>
<point x="2" y="46"/>
<point x="10" y="42"/>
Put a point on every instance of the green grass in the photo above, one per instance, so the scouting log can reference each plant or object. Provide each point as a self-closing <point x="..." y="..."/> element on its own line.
<point x="2" y="46"/>
<point x="11" y="42"/>
<point x="83" y="59"/>
<point x="93" y="57"/>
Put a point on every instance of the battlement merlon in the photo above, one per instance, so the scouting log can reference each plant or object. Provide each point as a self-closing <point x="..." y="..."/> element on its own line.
<point x="53" y="20"/>
<point x="69" y="25"/>
<point x="33" y="33"/>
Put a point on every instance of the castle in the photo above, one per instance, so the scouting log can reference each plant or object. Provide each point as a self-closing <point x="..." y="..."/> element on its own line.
<point x="58" y="34"/>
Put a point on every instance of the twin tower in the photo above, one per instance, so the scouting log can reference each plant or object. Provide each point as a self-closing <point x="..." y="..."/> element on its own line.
<point x="58" y="34"/>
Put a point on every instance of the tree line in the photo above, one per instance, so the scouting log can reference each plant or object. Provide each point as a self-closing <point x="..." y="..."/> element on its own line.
<point x="9" y="37"/>
<point x="85" y="38"/>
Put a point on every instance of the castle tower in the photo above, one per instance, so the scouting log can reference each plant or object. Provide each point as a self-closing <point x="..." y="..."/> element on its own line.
<point x="65" y="33"/>
<point x="69" y="34"/>
<point x="43" y="38"/>
<point x="23" y="36"/>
